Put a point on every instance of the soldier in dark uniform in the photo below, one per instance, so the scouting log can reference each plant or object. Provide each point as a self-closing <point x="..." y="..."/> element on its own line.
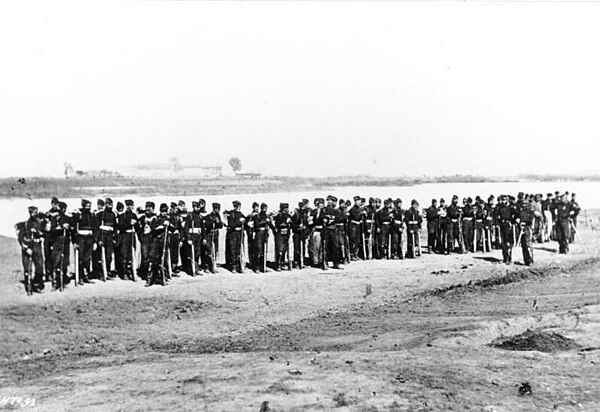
<point x="563" y="214"/>
<point x="480" y="219"/>
<point x="281" y="231"/>
<point x="128" y="226"/>
<point x="355" y="234"/>
<point x="185" y="249"/>
<point x="468" y="216"/>
<point x="491" y="224"/>
<point x="49" y="216"/>
<point x="547" y="216"/>
<point x="397" y="229"/>
<point x="192" y="235"/>
<point x="174" y="237"/>
<point x="97" y="251"/>
<point x="369" y="229"/>
<point x="341" y="230"/>
<point x="84" y="239"/>
<point x="30" y="235"/>
<point x="145" y="235"/>
<point x="117" y="249"/>
<point x="315" y="222"/>
<point x="160" y="228"/>
<point x="299" y="233"/>
<point x="330" y="236"/>
<point x="59" y="235"/>
<point x="453" y="216"/>
<point x="107" y="222"/>
<point x="261" y="222"/>
<point x="413" y="221"/>
<point x="576" y="210"/>
<point x="442" y="237"/>
<point x="383" y="221"/>
<point x="505" y="216"/>
<point x="250" y="235"/>
<point x="212" y="224"/>
<point x="234" y="238"/>
<point x="432" y="216"/>
<point x="525" y="217"/>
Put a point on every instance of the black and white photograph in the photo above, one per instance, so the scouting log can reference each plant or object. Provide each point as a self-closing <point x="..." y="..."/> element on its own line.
<point x="270" y="206"/>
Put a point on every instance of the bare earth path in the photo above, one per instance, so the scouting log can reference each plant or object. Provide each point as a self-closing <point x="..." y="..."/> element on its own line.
<point x="312" y="340"/>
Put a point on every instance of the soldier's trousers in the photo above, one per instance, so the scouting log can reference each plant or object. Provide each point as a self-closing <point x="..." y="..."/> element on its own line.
<point x="412" y="241"/>
<point x="383" y="241"/>
<point x="209" y="251"/>
<point x="343" y="242"/>
<point x="453" y="235"/>
<point x="86" y="248"/>
<point x="190" y="266"/>
<point x="396" y="251"/>
<point x="467" y="227"/>
<point x="442" y="237"/>
<point x="234" y="246"/>
<point x="106" y="238"/>
<point x="38" y="262"/>
<point x="118" y="256"/>
<point x="563" y="233"/>
<point x="145" y="247"/>
<point x="174" y="250"/>
<point x="158" y="261"/>
<point x="281" y="249"/>
<point x="506" y="234"/>
<point x="316" y="248"/>
<point x="299" y="241"/>
<point x="332" y="246"/>
<point x="126" y="254"/>
<point x="59" y="246"/>
<point x="526" y="241"/>
<point x="432" y="234"/>
<point x="478" y="236"/>
<point x="48" y="255"/>
<point x="366" y="250"/>
<point x="355" y="239"/>
<point x="251" y="249"/>
<point x="260" y="240"/>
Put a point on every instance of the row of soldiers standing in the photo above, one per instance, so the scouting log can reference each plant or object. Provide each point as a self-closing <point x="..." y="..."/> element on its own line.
<point x="338" y="232"/>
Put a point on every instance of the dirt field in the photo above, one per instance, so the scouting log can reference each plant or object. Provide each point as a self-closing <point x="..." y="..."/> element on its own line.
<point x="436" y="333"/>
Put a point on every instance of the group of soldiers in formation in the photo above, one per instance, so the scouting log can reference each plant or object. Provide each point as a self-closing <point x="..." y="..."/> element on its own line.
<point x="176" y="239"/>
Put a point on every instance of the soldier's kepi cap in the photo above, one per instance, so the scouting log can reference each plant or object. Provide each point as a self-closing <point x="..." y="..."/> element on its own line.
<point x="387" y="201"/>
<point x="150" y="204"/>
<point x="62" y="205"/>
<point x="263" y="206"/>
<point x="284" y="205"/>
<point x="85" y="202"/>
<point x="128" y="202"/>
<point x="216" y="205"/>
<point x="163" y="207"/>
<point x="100" y="202"/>
<point x="454" y="197"/>
<point x="236" y="203"/>
<point x="202" y="201"/>
<point x="181" y="203"/>
<point x="54" y="200"/>
<point x="319" y="200"/>
<point x="356" y="198"/>
<point x="305" y="201"/>
<point x="108" y="201"/>
<point x="195" y="204"/>
<point x="332" y="198"/>
<point x="254" y="204"/>
<point x="414" y="202"/>
<point x="120" y="206"/>
<point x="32" y="209"/>
<point x="173" y="205"/>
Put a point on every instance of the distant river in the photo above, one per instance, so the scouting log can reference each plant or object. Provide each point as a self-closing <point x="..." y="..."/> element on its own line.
<point x="588" y="196"/>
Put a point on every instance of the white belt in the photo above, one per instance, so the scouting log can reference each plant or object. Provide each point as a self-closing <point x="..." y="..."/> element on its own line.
<point x="454" y="220"/>
<point x="236" y="228"/>
<point x="467" y="218"/>
<point x="106" y="228"/>
<point x="196" y="230"/>
<point x="84" y="232"/>
<point x="369" y="221"/>
<point x="385" y="223"/>
<point x="398" y="222"/>
<point x="283" y="231"/>
<point x="356" y="222"/>
<point x="130" y="231"/>
<point x="413" y="222"/>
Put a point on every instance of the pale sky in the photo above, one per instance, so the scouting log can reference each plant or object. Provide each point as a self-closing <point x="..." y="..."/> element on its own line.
<point x="301" y="88"/>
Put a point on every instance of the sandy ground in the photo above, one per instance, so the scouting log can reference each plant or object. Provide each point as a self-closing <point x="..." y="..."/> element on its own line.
<point x="311" y="340"/>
